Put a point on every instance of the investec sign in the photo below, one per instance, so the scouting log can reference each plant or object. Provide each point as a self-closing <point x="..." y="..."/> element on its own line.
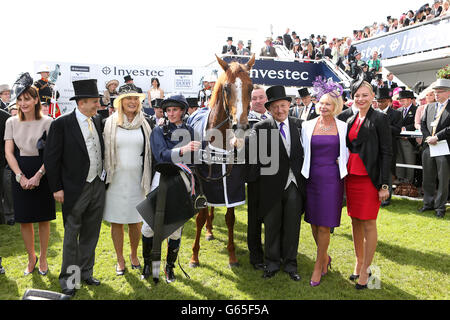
<point x="286" y="73"/>
<point x="115" y="71"/>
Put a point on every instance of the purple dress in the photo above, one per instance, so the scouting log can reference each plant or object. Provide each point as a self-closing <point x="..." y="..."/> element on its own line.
<point x="324" y="188"/>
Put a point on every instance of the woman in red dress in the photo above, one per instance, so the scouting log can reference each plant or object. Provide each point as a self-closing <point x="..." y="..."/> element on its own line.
<point x="367" y="183"/>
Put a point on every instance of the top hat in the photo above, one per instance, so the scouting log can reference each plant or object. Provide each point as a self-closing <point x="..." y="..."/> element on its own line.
<point x="85" y="89"/>
<point x="406" y="94"/>
<point x="4" y="87"/>
<point x="230" y="39"/>
<point x="127" y="78"/>
<point x="156" y="103"/>
<point x="276" y="93"/>
<point x="192" y="102"/>
<point x="176" y="100"/>
<point x="303" y="92"/>
<point x="128" y="90"/>
<point x="442" y="84"/>
<point x="383" y="93"/>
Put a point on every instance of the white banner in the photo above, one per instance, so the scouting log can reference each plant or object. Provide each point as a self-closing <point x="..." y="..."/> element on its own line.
<point x="185" y="80"/>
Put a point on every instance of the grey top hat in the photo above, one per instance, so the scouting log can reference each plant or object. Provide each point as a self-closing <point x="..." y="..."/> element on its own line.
<point x="442" y="84"/>
<point x="4" y="87"/>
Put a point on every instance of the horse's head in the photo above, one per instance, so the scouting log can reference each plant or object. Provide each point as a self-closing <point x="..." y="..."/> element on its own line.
<point x="236" y="87"/>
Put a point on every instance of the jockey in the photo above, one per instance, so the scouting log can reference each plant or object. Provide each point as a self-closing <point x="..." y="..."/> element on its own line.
<point x="166" y="150"/>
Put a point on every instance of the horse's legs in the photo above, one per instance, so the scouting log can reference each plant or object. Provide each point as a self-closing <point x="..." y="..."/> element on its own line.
<point x="200" y="222"/>
<point x="230" y="220"/>
<point x="209" y="224"/>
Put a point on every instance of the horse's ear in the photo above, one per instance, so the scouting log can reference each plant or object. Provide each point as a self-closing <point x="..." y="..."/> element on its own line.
<point x="222" y="63"/>
<point x="251" y="62"/>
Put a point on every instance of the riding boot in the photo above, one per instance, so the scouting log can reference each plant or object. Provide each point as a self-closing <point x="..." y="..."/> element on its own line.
<point x="147" y="244"/>
<point x="172" y="254"/>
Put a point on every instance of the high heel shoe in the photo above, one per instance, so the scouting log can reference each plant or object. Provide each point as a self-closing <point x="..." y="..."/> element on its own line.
<point x="120" y="272"/>
<point x="315" y="284"/>
<point x="354" y="277"/>
<point x="134" y="266"/>
<point x="328" y="266"/>
<point x="25" y="273"/>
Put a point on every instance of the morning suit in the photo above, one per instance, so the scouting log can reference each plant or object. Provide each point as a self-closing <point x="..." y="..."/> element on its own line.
<point x="268" y="52"/>
<point x="5" y="215"/>
<point x="74" y="162"/>
<point x="406" y="148"/>
<point x="435" y="168"/>
<point x="281" y="191"/>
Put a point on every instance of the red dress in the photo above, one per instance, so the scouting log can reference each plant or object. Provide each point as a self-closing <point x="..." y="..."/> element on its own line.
<point x="362" y="196"/>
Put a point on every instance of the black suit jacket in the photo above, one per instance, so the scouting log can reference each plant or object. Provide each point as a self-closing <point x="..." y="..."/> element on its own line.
<point x="225" y="49"/>
<point x="66" y="157"/>
<point x="287" y="39"/>
<point x="271" y="187"/>
<point x="393" y="85"/>
<point x="408" y="121"/>
<point x="346" y="114"/>
<point x="443" y="128"/>
<point x="3" y="117"/>
<point x="374" y="146"/>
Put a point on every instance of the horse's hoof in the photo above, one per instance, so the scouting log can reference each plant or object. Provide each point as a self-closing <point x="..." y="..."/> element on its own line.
<point x="210" y="237"/>
<point x="234" y="265"/>
<point x="194" y="264"/>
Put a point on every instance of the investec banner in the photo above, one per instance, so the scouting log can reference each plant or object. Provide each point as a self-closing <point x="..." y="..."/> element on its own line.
<point x="290" y="74"/>
<point x="185" y="80"/>
<point x="422" y="38"/>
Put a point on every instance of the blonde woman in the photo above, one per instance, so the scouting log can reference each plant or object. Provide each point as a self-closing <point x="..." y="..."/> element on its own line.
<point x="324" y="167"/>
<point x="128" y="167"/>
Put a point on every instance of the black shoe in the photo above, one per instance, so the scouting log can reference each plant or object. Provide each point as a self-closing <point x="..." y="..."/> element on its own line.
<point x="120" y="272"/>
<point x="43" y="273"/>
<point x="25" y="273"/>
<point x="170" y="275"/>
<point x="424" y="208"/>
<point x="11" y="222"/>
<point x="258" y="266"/>
<point x="354" y="277"/>
<point x="360" y="286"/>
<point x="69" y="292"/>
<point x="294" y="276"/>
<point x="146" y="271"/>
<point x="91" y="281"/>
<point x="268" y="274"/>
<point x="440" y="213"/>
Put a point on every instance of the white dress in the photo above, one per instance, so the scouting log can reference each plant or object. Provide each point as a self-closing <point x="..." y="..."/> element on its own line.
<point x="125" y="192"/>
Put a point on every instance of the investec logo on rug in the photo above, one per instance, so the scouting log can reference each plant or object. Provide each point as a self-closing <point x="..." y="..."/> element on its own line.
<point x="115" y="71"/>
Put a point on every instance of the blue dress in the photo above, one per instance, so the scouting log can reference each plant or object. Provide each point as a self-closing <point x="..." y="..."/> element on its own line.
<point x="324" y="188"/>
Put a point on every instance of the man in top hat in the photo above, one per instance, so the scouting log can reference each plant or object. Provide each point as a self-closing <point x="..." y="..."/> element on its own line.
<point x="157" y="119"/>
<point x="268" y="50"/>
<point x="308" y="109"/>
<point x="130" y="81"/>
<point x="384" y="99"/>
<point x="73" y="160"/>
<point x="5" y="96"/>
<point x="281" y="187"/>
<point x="229" y="48"/>
<point x="406" y="147"/>
<point x="45" y="88"/>
<point x="192" y="105"/>
<point x="435" y="127"/>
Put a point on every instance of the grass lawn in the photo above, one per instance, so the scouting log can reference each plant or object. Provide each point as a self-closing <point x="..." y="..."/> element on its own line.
<point x="412" y="262"/>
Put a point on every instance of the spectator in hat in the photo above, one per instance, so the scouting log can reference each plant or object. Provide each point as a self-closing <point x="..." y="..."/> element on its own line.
<point x="111" y="92"/>
<point x="406" y="147"/>
<point x="44" y="108"/>
<point x="45" y="88"/>
<point x="25" y="137"/>
<point x="437" y="8"/>
<point x="155" y="92"/>
<point x="5" y="96"/>
<point x="157" y="119"/>
<point x="268" y="50"/>
<point x="127" y="163"/>
<point x="242" y="51"/>
<point x="308" y="110"/>
<point x="192" y="105"/>
<point x="130" y="81"/>
<point x="229" y="48"/>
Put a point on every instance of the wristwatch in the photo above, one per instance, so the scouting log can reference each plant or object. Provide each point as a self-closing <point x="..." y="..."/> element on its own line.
<point x="18" y="177"/>
<point x="385" y="187"/>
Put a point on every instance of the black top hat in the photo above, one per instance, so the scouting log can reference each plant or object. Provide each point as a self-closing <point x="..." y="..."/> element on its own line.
<point x="22" y="83"/>
<point x="127" y="78"/>
<point x="230" y="39"/>
<point x="192" y="102"/>
<point x="157" y="103"/>
<point x="383" y="93"/>
<point x="276" y="93"/>
<point x="404" y="94"/>
<point x="303" y="92"/>
<point x="85" y="89"/>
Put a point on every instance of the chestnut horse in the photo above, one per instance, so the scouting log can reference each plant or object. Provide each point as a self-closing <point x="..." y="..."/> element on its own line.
<point x="228" y="109"/>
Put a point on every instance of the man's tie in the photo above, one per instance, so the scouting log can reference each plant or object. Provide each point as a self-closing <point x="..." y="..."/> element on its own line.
<point x="405" y="112"/>
<point x="263" y="117"/>
<point x="282" y="130"/>
<point x="91" y="129"/>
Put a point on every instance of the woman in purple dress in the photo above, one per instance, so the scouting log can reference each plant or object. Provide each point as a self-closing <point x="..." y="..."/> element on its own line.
<point x="324" y="167"/>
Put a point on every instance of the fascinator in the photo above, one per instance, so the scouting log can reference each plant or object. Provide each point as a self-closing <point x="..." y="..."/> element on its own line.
<point x="322" y="86"/>
<point x="22" y="83"/>
<point x="356" y="83"/>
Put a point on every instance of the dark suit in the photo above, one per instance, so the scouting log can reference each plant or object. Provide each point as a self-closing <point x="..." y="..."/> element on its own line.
<point x="435" y="168"/>
<point x="393" y="85"/>
<point x="374" y="146"/>
<point x="287" y="41"/>
<point x="395" y="118"/>
<point x="345" y="115"/>
<point x="4" y="212"/>
<point x="280" y="206"/>
<point x="3" y="105"/>
<point x="271" y="53"/>
<point x="227" y="48"/>
<point x="406" y="148"/>
<point x="67" y="164"/>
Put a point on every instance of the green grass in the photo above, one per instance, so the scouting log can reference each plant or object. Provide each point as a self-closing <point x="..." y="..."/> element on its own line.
<point x="412" y="257"/>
